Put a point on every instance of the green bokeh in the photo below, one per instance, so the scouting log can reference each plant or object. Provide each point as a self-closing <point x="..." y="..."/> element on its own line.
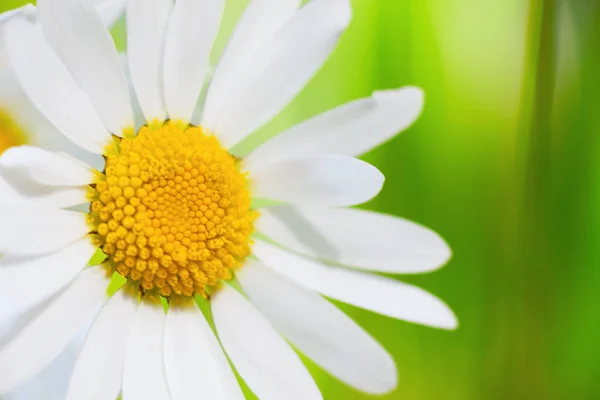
<point x="504" y="163"/>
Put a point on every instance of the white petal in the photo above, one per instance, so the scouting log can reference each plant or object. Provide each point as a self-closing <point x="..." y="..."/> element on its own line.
<point x="51" y="383"/>
<point x="98" y="371"/>
<point x="259" y="23"/>
<point x="138" y="114"/>
<point x="29" y="282"/>
<point x="281" y="69"/>
<point x="146" y="26"/>
<point x="194" y="361"/>
<point x="361" y="239"/>
<point x="10" y="328"/>
<point x="372" y="292"/>
<point x="320" y="330"/>
<point x="46" y="336"/>
<point x="46" y="167"/>
<point x="110" y="10"/>
<point x="190" y="36"/>
<point x="35" y="126"/>
<point x="263" y="358"/>
<point x="27" y="10"/>
<point x="85" y="46"/>
<point x="330" y="180"/>
<point x="352" y="129"/>
<point x="52" y="89"/>
<point x="25" y="192"/>
<point x="27" y="230"/>
<point x="144" y="376"/>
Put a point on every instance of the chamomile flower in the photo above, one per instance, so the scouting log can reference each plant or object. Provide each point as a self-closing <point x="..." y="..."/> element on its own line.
<point x="179" y="217"/>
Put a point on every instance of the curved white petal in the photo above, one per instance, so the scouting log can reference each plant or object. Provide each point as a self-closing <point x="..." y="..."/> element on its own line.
<point x="46" y="167"/>
<point x="352" y="129"/>
<point x="320" y="330"/>
<point x="146" y="27"/>
<point x="263" y="358"/>
<point x="27" y="230"/>
<point x="259" y="23"/>
<point x="372" y="292"/>
<point x="47" y="335"/>
<point x="51" y="383"/>
<point x="35" y="126"/>
<point x="110" y="10"/>
<point x="329" y="180"/>
<point x="10" y="328"/>
<point x="144" y="375"/>
<point x="190" y="36"/>
<point x="78" y="35"/>
<point x="98" y="371"/>
<point x="357" y="238"/>
<point x="27" y="10"/>
<point x="29" y="282"/>
<point x="52" y="89"/>
<point x="24" y="192"/>
<point x="281" y="69"/>
<point x="195" y="364"/>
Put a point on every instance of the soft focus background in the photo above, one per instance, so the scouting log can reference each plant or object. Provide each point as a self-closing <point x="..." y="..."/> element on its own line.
<point x="505" y="164"/>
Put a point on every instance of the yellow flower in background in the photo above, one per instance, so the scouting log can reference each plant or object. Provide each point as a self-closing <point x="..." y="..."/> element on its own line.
<point x="177" y="215"/>
<point x="10" y="134"/>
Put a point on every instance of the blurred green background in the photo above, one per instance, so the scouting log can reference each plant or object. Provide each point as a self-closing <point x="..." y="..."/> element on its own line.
<point x="504" y="163"/>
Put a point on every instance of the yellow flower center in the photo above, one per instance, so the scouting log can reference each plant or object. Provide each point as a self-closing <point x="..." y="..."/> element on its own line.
<point x="10" y="134"/>
<point x="172" y="211"/>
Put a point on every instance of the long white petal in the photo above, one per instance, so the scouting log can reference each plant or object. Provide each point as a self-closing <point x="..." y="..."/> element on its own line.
<point x="52" y="89"/>
<point x="357" y="238"/>
<point x="144" y="375"/>
<point x="51" y="383"/>
<point x="320" y="330"/>
<point x="146" y="27"/>
<point x="29" y="282"/>
<point x="281" y="69"/>
<point x="46" y="167"/>
<point x="110" y="10"/>
<point x="329" y="180"/>
<point x="262" y="357"/>
<point x="194" y="361"/>
<point x="24" y="192"/>
<point x="352" y="129"/>
<point x="190" y="36"/>
<point x="10" y="328"/>
<point x="372" y="292"/>
<point x="39" y="131"/>
<point x="79" y="37"/>
<point x="27" y="230"/>
<point x="27" y="10"/>
<point x="98" y="371"/>
<point x="47" y="335"/>
<point x="259" y="23"/>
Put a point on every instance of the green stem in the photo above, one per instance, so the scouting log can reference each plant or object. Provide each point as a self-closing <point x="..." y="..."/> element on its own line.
<point x="535" y="242"/>
<point x="540" y="139"/>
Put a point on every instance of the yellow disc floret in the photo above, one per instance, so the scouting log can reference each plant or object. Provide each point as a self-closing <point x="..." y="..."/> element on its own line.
<point x="172" y="210"/>
<point x="10" y="134"/>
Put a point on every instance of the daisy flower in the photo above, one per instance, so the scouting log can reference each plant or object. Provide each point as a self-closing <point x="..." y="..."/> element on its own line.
<point x="255" y="241"/>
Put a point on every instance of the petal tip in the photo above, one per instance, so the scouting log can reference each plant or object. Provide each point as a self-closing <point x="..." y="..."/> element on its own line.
<point x="450" y="321"/>
<point x="389" y="380"/>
